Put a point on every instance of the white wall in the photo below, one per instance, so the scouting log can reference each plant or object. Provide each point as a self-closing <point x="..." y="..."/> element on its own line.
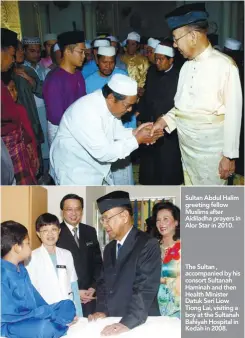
<point x="92" y="194"/>
<point x="55" y="195"/>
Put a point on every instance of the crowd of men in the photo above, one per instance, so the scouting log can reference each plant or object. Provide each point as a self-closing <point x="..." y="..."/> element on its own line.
<point x="81" y="110"/>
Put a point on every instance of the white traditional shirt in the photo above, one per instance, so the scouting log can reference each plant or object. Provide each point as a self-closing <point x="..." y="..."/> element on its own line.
<point x="88" y="141"/>
<point x="210" y="85"/>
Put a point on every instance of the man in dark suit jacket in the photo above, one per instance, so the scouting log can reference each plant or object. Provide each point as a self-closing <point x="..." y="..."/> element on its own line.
<point x="81" y="240"/>
<point x="130" y="278"/>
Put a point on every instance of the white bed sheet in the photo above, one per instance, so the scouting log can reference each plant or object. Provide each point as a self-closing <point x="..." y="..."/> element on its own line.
<point x="153" y="327"/>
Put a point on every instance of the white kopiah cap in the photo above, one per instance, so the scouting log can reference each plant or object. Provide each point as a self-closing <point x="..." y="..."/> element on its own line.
<point x="165" y="50"/>
<point x="56" y="47"/>
<point x="112" y="38"/>
<point x="107" y="51"/>
<point x="101" y="43"/>
<point x="123" y="84"/>
<point x="232" y="44"/>
<point x="153" y="42"/>
<point x="133" y="36"/>
<point x="50" y="36"/>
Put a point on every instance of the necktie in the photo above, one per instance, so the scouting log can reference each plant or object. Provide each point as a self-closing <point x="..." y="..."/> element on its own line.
<point x="118" y="249"/>
<point x="75" y="235"/>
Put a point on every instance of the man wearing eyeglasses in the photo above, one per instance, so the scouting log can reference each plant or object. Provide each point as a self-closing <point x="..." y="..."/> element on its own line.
<point x="81" y="240"/>
<point x="66" y="84"/>
<point x="91" y="136"/>
<point x="129" y="280"/>
<point x="160" y="164"/>
<point x="122" y="170"/>
<point x="208" y="103"/>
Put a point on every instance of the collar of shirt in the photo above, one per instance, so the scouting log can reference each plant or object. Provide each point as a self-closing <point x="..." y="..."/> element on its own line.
<point x="27" y="63"/>
<point x="122" y="241"/>
<point x="169" y="68"/>
<point x="205" y="54"/>
<point x="71" y="227"/>
<point x="40" y="71"/>
<point x="124" y="238"/>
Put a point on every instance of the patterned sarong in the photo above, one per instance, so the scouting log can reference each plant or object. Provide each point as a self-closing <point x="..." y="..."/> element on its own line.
<point x="23" y="171"/>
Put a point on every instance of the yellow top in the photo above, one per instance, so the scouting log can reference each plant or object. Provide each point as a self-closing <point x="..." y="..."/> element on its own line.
<point x="208" y="87"/>
<point x="137" y="67"/>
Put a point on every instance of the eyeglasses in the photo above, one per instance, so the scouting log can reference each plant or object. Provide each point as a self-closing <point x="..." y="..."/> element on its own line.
<point x="104" y="220"/>
<point x="126" y="106"/>
<point x="53" y="231"/>
<point x="70" y="211"/>
<point x="80" y="51"/>
<point x="176" y="40"/>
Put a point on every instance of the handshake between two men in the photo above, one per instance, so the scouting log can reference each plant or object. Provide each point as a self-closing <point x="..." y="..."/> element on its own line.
<point x="148" y="133"/>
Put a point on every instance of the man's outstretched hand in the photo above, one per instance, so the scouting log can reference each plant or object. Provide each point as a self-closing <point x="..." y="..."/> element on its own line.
<point x="159" y="125"/>
<point x="145" y="135"/>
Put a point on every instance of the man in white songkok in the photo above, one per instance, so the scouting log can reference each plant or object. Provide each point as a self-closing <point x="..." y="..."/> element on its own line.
<point x="91" y="135"/>
<point x="91" y="66"/>
<point x="208" y="103"/>
<point x="137" y="64"/>
<point x="115" y="43"/>
<point x="106" y="69"/>
<point x="49" y="40"/>
<point x="122" y="170"/>
<point x="150" y="50"/>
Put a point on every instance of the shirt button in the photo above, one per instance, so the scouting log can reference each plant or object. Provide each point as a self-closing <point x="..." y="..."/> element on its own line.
<point x="110" y="292"/>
